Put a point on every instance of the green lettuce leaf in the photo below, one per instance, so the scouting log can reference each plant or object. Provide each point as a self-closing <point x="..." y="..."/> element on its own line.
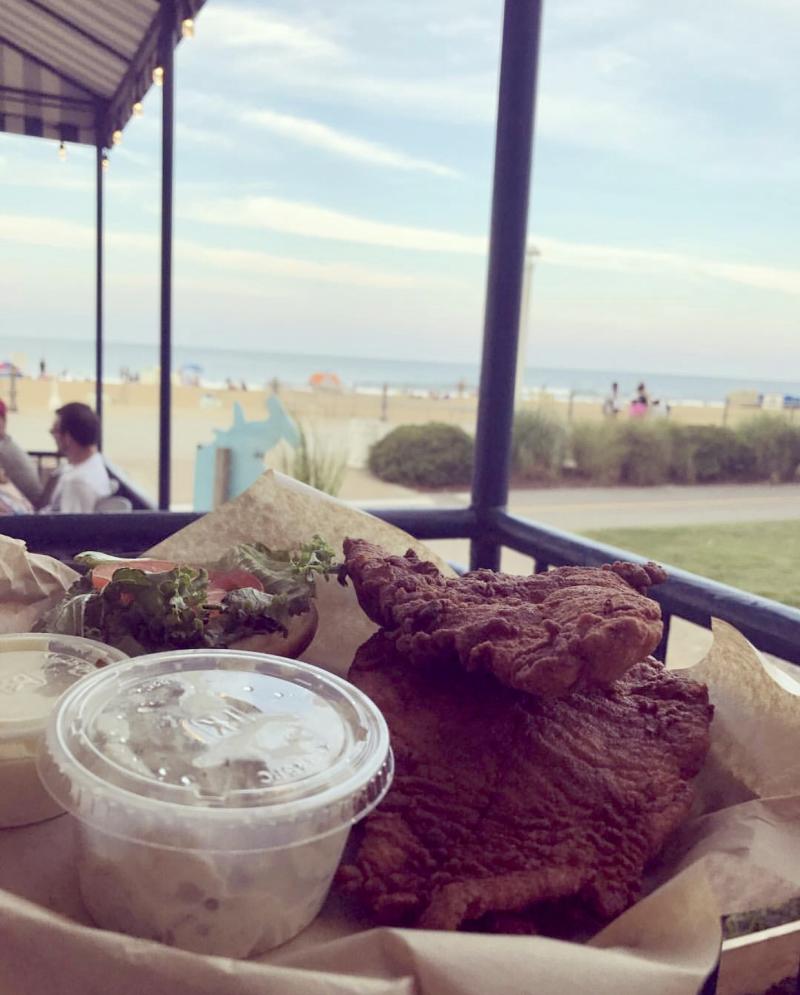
<point x="142" y="612"/>
<point x="246" y="612"/>
<point x="284" y="573"/>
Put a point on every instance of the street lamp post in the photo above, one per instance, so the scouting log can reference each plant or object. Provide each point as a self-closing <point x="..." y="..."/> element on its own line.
<point x="531" y="255"/>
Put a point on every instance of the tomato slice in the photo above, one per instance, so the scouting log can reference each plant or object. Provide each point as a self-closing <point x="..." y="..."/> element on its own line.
<point x="222" y="581"/>
<point x="219" y="581"/>
<point x="232" y="580"/>
<point x="103" y="573"/>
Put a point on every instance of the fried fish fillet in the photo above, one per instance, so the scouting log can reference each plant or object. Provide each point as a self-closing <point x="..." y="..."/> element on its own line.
<point x="547" y="634"/>
<point x="503" y="801"/>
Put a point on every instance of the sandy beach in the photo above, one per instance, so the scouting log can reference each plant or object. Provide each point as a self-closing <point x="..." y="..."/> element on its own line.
<point x="345" y="420"/>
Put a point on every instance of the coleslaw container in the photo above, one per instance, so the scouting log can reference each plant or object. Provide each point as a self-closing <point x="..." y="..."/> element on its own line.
<point x="35" y="669"/>
<point x="214" y="793"/>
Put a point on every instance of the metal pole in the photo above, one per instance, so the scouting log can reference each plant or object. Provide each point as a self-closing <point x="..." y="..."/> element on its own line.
<point x="531" y="253"/>
<point x="98" y="328"/>
<point x="166" y="59"/>
<point x="512" y="167"/>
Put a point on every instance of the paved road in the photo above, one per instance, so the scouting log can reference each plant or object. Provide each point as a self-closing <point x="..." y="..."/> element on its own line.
<point x="580" y="509"/>
<point x="599" y="508"/>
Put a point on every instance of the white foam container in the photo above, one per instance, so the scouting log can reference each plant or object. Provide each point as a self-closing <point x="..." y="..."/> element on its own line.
<point x="214" y="793"/>
<point x="35" y="669"/>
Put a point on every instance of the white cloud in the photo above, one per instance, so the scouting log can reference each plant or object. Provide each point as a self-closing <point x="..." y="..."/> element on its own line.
<point x="318" y="135"/>
<point x="469" y="97"/>
<point x="59" y="234"/>
<point x="312" y="221"/>
<point x="458" y="27"/>
<point x="675" y="86"/>
<point x="261" y="30"/>
<point x="239" y="260"/>
<point x="215" y="138"/>
<point x="53" y="232"/>
<point x="136" y="158"/>
<point x="615" y="74"/>
<point x="344" y="55"/>
<point x="652" y="261"/>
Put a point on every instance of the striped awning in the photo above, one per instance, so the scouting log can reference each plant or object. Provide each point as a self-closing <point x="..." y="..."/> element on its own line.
<point x="73" y="69"/>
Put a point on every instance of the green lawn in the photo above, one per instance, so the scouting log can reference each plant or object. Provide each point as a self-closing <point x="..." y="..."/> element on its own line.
<point x="761" y="557"/>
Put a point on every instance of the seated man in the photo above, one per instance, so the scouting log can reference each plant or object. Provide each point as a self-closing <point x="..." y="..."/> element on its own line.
<point x="16" y="465"/>
<point x="80" y="484"/>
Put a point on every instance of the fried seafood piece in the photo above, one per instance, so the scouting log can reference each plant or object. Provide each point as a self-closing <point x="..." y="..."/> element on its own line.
<point x="546" y="634"/>
<point x="503" y="801"/>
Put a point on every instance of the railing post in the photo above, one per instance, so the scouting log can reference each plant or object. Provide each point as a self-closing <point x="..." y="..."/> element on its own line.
<point x="512" y="168"/>
<point x="167" y="61"/>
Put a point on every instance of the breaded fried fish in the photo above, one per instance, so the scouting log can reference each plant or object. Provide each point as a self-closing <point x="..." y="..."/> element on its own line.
<point x="510" y="806"/>
<point x="548" y="634"/>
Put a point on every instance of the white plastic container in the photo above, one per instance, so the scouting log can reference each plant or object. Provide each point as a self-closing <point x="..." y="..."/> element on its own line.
<point x="35" y="669"/>
<point x="214" y="793"/>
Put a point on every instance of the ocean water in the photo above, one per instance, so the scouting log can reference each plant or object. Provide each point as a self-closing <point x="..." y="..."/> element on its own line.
<point x="76" y="359"/>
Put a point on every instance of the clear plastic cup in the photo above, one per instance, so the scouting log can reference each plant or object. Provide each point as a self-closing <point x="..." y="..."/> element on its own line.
<point x="35" y="669"/>
<point x="214" y="793"/>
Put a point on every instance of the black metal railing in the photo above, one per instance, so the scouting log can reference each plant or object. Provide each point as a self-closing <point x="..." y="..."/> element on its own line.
<point x="127" y="488"/>
<point x="769" y="625"/>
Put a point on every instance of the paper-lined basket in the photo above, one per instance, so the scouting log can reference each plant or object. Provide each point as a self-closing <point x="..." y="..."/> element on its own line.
<point x="741" y="851"/>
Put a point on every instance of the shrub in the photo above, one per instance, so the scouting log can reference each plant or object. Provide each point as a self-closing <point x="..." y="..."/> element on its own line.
<point x="647" y="451"/>
<point x="774" y="444"/>
<point x="707" y="453"/>
<point x="598" y="452"/>
<point x="430" y="455"/>
<point x="314" y="462"/>
<point x="538" y="446"/>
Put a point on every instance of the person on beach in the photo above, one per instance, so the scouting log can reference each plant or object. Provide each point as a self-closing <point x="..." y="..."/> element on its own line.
<point x="16" y="465"/>
<point x="611" y="405"/>
<point x="84" y="480"/>
<point x="640" y="405"/>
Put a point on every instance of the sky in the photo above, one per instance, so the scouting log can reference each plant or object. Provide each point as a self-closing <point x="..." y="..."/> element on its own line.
<point x="333" y="188"/>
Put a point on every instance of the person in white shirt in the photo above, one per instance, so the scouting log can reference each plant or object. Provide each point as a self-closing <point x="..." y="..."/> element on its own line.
<point x="84" y="480"/>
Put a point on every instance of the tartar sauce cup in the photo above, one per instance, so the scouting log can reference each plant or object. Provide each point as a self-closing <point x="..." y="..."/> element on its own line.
<point x="214" y="793"/>
<point x="35" y="669"/>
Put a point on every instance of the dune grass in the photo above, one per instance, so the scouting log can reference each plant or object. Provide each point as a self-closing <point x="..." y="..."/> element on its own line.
<point x="761" y="557"/>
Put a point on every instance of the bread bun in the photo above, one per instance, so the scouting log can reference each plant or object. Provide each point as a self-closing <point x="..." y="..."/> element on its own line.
<point x="300" y="631"/>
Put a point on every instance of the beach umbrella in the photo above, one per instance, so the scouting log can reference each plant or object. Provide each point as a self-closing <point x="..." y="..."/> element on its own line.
<point x="190" y="373"/>
<point x="326" y="380"/>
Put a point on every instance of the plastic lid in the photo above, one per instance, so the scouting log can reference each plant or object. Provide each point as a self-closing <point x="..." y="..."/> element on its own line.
<point x="35" y="668"/>
<point x="237" y="749"/>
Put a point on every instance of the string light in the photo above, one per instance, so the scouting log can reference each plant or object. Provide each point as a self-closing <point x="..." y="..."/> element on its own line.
<point x="116" y="137"/>
<point x="137" y="109"/>
<point x="158" y="75"/>
<point x="62" y="151"/>
<point x="104" y="162"/>
<point x="187" y="28"/>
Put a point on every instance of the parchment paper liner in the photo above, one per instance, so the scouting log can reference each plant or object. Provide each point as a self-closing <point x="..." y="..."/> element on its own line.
<point x="741" y="851"/>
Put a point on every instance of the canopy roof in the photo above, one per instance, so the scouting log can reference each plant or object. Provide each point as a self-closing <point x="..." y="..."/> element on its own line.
<point x="73" y="69"/>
